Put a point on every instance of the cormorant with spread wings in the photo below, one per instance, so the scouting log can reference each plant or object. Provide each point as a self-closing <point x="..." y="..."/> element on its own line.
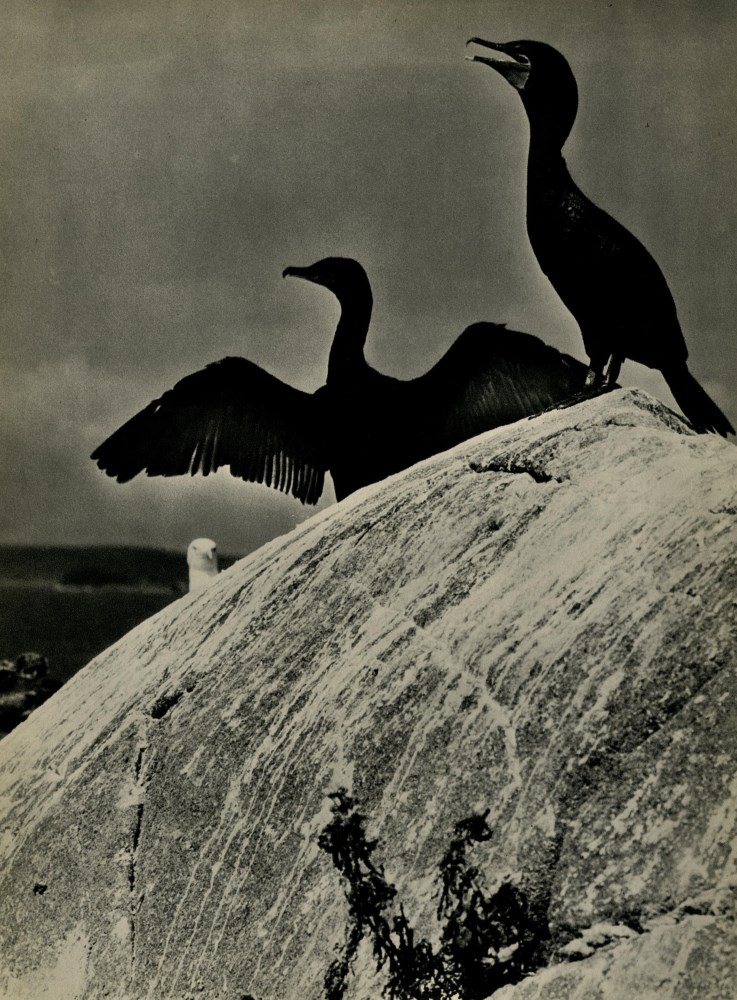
<point x="361" y="426"/>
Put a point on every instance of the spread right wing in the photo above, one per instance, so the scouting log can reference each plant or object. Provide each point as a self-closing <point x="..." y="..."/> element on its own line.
<point x="230" y="413"/>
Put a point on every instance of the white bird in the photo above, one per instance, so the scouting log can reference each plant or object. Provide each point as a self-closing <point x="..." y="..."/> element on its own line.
<point x="202" y="559"/>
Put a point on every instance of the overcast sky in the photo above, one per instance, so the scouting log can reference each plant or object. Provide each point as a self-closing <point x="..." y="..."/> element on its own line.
<point x="162" y="162"/>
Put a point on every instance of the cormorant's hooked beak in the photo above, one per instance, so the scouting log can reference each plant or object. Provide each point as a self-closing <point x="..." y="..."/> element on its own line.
<point x="301" y="272"/>
<point x="515" y="72"/>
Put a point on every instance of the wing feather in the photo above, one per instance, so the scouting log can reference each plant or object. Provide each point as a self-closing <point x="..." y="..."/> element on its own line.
<point x="493" y="376"/>
<point x="231" y="413"/>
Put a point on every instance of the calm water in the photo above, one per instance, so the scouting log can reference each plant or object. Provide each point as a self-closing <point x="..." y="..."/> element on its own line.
<point x="70" y="626"/>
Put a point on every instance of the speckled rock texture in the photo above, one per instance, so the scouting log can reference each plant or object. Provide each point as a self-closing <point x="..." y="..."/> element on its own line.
<point x="541" y="622"/>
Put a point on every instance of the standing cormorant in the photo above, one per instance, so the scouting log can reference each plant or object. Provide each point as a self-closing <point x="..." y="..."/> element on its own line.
<point x="361" y="425"/>
<point x="603" y="274"/>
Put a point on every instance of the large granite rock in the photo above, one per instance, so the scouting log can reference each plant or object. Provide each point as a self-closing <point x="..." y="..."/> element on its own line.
<point x="540" y="622"/>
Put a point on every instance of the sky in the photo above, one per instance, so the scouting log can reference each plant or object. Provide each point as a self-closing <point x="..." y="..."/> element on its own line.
<point x="162" y="162"/>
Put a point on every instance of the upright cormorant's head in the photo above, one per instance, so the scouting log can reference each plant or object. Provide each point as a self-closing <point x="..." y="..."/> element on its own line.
<point x="342" y="275"/>
<point x="544" y="81"/>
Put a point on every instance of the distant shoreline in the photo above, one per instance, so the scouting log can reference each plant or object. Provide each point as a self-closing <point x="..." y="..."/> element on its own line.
<point x="86" y="588"/>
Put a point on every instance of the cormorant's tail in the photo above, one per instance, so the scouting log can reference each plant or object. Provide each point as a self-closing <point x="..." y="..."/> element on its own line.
<point x="698" y="406"/>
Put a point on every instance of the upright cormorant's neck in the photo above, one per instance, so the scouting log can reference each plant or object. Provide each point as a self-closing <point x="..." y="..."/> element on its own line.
<point x="545" y="160"/>
<point x="346" y="353"/>
<point x="551" y="115"/>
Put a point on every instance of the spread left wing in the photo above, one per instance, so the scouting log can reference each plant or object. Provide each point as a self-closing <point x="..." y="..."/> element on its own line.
<point x="493" y="376"/>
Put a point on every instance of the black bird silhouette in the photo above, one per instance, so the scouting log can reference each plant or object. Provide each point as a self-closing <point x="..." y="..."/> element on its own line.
<point x="603" y="274"/>
<point x="361" y="425"/>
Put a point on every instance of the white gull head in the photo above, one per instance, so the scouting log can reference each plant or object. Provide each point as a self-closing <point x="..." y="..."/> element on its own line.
<point x="202" y="559"/>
